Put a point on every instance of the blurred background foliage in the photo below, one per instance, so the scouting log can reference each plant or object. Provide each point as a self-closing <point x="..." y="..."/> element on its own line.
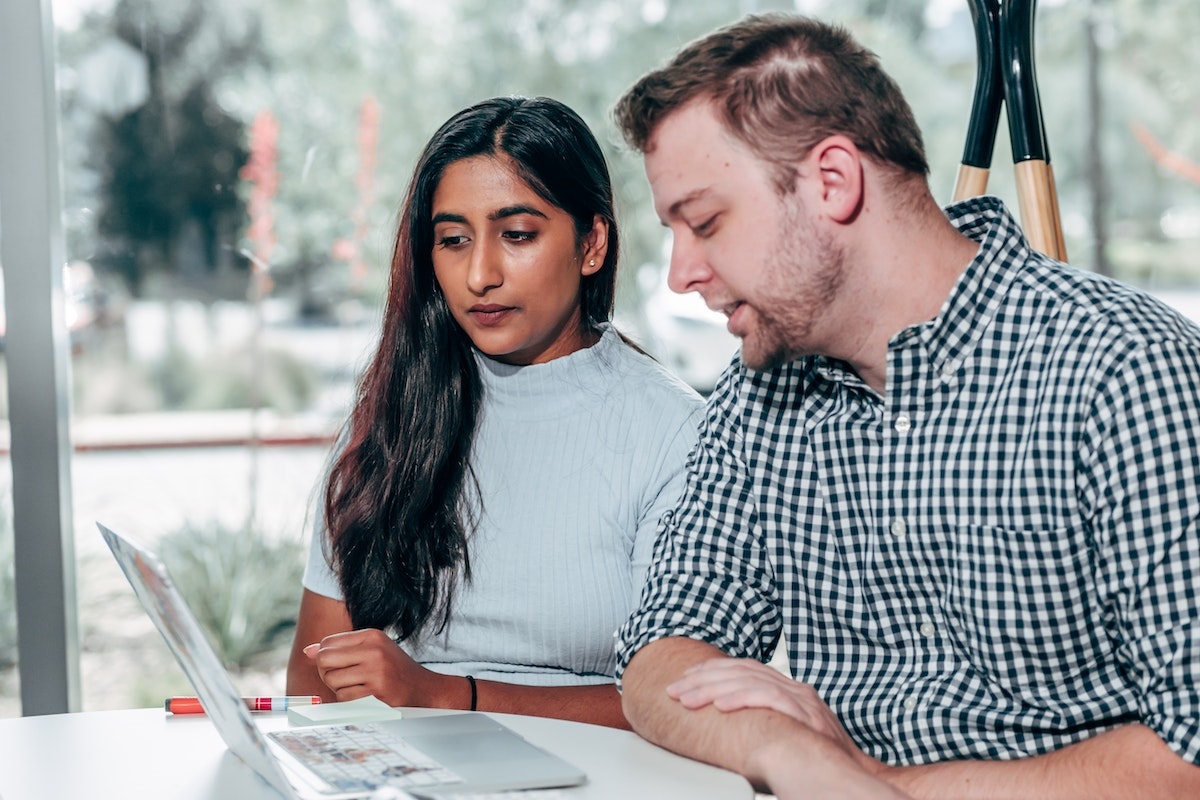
<point x="240" y="584"/>
<point x="201" y="137"/>
<point x="8" y="588"/>
<point x="152" y="179"/>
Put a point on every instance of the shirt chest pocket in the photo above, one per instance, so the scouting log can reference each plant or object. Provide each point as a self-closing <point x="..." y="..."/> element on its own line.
<point x="1022" y="604"/>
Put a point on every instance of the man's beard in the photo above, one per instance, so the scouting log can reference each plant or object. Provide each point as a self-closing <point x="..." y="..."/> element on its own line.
<point x="802" y="276"/>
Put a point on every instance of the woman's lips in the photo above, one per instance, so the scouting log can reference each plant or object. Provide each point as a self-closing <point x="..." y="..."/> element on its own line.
<point x="490" y="315"/>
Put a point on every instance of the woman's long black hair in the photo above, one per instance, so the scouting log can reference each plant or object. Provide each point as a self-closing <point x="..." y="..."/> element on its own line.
<point x="396" y="503"/>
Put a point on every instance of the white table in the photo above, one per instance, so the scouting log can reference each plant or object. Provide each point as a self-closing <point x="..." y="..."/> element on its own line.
<point x="145" y="753"/>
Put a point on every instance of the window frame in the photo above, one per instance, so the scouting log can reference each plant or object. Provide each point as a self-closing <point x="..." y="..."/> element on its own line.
<point x="32" y="250"/>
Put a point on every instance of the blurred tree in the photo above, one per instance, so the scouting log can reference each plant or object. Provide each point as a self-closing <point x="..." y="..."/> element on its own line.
<point x="421" y="62"/>
<point x="1137" y="73"/>
<point x="171" y="199"/>
<point x="313" y="63"/>
<point x="1097" y="180"/>
<point x="1151" y="45"/>
<point x="168" y="168"/>
<point x="905" y="16"/>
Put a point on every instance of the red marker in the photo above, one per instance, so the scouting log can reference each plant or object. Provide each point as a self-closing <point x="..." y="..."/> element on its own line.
<point x="191" y="705"/>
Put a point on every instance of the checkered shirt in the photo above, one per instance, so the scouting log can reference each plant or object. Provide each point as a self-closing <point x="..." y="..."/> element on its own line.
<point x="998" y="557"/>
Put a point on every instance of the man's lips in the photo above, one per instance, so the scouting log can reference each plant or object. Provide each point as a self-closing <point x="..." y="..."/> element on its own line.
<point x="729" y="308"/>
<point x="730" y="311"/>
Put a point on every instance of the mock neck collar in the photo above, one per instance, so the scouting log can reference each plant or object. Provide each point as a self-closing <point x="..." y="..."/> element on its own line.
<point x="539" y="388"/>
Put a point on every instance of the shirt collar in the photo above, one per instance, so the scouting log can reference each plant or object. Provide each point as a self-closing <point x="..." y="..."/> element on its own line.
<point x="541" y="391"/>
<point x="980" y="290"/>
<point x="973" y="301"/>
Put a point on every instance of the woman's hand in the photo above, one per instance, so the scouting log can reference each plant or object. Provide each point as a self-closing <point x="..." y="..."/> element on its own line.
<point x="367" y="662"/>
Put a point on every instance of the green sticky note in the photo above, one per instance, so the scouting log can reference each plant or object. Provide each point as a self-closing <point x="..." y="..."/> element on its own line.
<point x="364" y="709"/>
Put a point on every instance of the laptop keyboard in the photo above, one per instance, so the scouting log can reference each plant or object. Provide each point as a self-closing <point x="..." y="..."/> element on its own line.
<point x="362" y="758"/>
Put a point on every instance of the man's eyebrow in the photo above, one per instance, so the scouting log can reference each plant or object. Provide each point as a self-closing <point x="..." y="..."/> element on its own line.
<point x="691" y="196"/>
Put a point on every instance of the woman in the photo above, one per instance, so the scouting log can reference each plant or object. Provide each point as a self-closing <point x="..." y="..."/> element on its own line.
<point x="491" y="509"/>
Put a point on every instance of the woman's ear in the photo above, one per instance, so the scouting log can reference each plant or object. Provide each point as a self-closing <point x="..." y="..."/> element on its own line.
<point x="595" y="246"/>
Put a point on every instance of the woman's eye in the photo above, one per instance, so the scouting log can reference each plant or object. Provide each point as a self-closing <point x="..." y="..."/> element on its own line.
<point x="520" y="236"/>
<point x="450" y="241"/>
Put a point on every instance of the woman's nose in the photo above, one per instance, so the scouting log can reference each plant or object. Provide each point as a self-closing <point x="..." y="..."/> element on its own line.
<point x="484" y="270"/>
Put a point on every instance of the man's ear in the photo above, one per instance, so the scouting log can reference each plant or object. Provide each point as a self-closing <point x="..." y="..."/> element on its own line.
<point x="839" y="171"/>
<point x="595" y="246"/>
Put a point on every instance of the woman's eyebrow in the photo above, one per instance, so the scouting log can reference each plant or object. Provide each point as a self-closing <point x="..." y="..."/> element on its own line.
<point x="500" y="213"/>
<point x="512" y="211"/>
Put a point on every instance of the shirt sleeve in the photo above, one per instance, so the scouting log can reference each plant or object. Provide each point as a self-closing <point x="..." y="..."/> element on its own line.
<point x="662" y="493"/>
<point x="1142" y="484"/>
<point x="318" y="574"/>
<point x="709" y="578"/>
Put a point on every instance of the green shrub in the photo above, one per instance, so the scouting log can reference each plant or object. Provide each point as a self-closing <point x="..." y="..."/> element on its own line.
<point x="107" y="383"/>
<point x="235" y="378"/>
<point x="243" y="588"/>
<point x="274" y="379"/>
<point x="8" y="590"/>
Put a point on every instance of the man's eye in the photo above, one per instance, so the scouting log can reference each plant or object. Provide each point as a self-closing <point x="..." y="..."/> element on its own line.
<point x="705" y="228"/>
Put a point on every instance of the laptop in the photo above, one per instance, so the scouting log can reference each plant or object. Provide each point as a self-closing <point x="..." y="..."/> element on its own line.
<point x="421" y="757"/>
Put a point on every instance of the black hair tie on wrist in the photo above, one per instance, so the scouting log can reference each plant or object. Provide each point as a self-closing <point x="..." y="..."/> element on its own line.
<point x="474" y="692"/>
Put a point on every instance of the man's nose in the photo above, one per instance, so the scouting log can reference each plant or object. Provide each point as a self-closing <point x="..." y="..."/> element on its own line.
<point x="687" y="270"/>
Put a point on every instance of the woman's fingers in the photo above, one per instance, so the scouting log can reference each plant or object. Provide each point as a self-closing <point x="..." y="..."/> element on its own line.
<point x="368" y="661"/>
<point x="348" y="660"/>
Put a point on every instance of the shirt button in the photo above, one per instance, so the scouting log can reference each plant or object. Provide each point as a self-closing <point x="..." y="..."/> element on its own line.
<point x="928" y="629"/>
<point x="948" y="370"/>
<point x="898" y="528"/>
<point x="910" y="703"/>
<point x="903" y="423"/>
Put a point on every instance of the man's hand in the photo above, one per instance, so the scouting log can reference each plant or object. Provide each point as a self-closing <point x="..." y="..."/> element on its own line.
<point x="734" y="684"/>
<point x="777" y="751"/>
<point x="367" y="662"/>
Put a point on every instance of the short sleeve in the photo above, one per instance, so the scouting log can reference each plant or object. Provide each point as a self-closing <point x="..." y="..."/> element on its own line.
<point x="662" y="494"/>
<point x="318" y="574"/>
<point x="710" y="578"/>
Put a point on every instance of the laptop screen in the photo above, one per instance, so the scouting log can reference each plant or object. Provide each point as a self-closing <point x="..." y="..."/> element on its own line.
<point x="183" y="634"/>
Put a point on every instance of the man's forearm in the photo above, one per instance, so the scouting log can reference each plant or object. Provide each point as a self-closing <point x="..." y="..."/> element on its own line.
<point x="664" y="721"/>
<point x="773" y="751"/>
<point x="1131" y="761"/>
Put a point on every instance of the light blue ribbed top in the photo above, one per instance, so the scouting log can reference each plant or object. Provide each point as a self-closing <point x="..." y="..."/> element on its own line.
<point x="576" y="461"/>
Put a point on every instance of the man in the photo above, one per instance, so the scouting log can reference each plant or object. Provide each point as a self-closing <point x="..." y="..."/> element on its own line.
<point x="959" y="480"/>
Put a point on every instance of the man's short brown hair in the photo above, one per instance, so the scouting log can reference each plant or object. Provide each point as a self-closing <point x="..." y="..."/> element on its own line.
<point x="781" y="83"/>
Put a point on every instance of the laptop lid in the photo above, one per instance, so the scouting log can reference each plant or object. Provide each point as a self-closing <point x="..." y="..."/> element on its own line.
<point x="221" y="700"/>
<point x="486" y="755"/>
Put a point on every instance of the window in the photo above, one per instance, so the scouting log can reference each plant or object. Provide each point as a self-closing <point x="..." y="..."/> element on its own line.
<point x="230" y="177"/>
